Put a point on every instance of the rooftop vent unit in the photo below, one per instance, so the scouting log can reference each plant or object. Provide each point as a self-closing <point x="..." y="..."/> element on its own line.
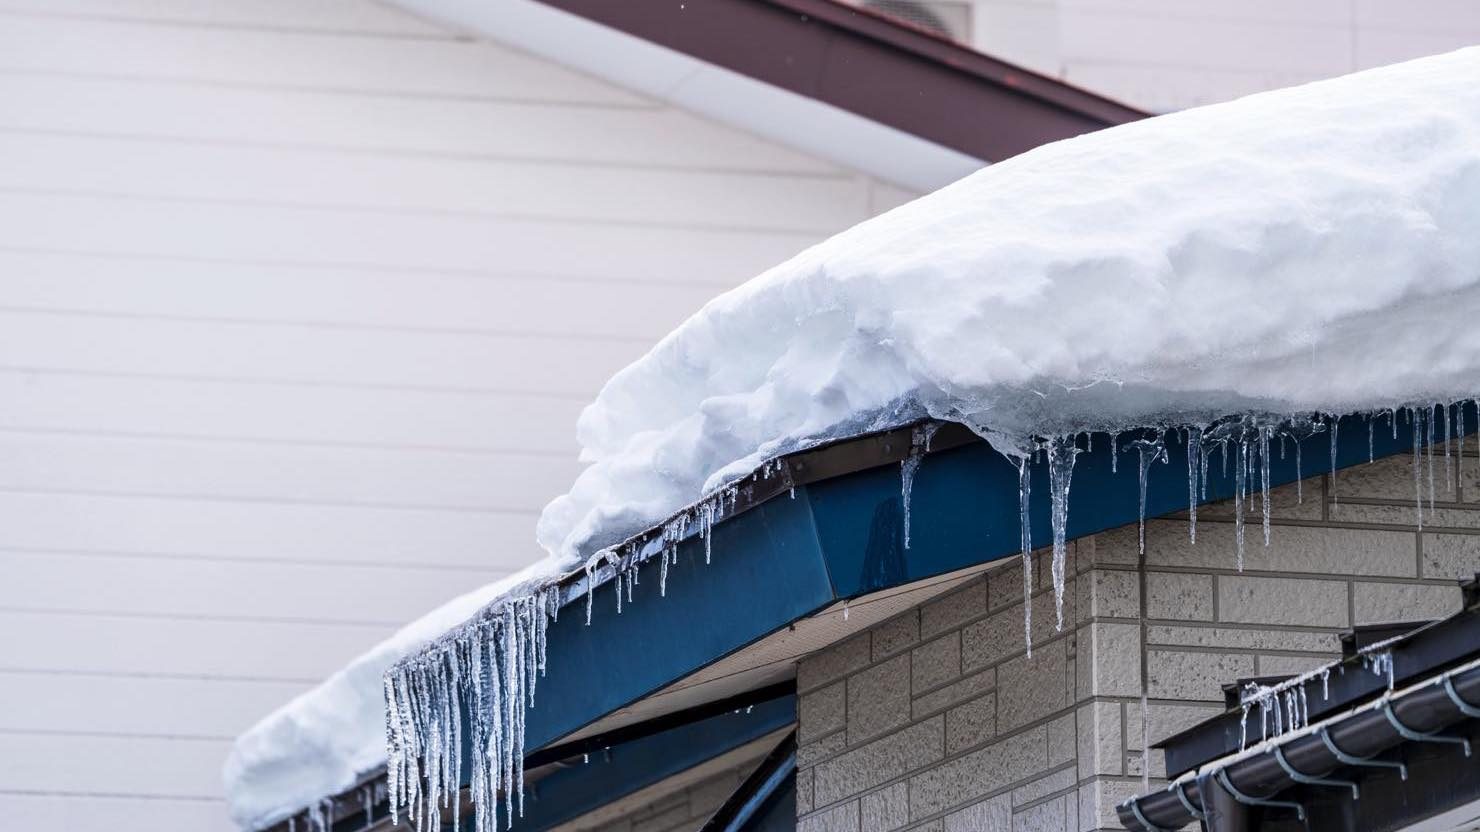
<point x="950" y="20"/>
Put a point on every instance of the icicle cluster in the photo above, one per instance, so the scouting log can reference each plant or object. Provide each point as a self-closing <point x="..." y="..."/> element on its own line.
<point x="1247" y="442"/>
<point x="489" y="668"/>
<point x="1283" y="707"/>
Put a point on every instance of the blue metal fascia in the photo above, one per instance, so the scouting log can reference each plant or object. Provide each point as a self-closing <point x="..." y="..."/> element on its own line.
<point x="606" y="777"/>
<point x="964" y="502"/>
<point x="766" y="571"/>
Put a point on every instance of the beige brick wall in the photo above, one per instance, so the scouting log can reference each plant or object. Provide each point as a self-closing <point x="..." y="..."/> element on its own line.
<point x="938" y="720"/>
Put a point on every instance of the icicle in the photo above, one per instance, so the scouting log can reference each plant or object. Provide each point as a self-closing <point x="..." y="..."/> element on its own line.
<point x="1194" y="459"/>
<point x="1459" y="452"/>
<point x="1240" y="485"/>
<point x="1335" y="428"/>
<point x="1417" y="466"/>
<point x="1448" y="470"/>
<point x="1299" y="482"/>
<point x="1114" y="453"/>
<point x="590" y="589"/>
<point x="1371" y="424"/>
<point x="919" y="444"/>
<point x="1429" y="453"/>
<point x="1024" y="466"/>
<point x="1264" y="477"/>
<point x="1150" y="451"/>
<point x="1393" y="420"/>
<point x="845" y="609"/>
<point x="1061" y="454"/>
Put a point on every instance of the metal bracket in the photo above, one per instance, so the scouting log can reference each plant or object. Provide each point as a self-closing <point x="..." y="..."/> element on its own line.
<point x="1250" y="800"/>
<point x="1472" y="711"/>
<point x="1141" y="819"/>
<point x="1363" y="762"/>
<point x="1419" y="736"/>
<point x="1177" y="789"/>
<point x="1309" y="780"/>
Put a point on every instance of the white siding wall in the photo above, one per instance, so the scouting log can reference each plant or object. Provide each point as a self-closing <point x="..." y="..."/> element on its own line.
<point x="299" y="300"/>
<point x="1170" y="54"/>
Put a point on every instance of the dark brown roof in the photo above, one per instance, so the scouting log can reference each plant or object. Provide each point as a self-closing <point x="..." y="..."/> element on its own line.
<point x="870" y="65"/>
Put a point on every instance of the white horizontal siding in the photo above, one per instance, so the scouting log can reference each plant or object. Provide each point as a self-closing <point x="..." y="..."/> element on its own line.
<point x="266" y="531"/>
<point x="164" y="646"/>
<point x="149" y="706"/>
<point x="51" y="807"/>
<point x="347" y="122"/>
<point x="209" y="589"/>
<point x="299" y="303"/>
<point x="122" y="405"/>
<point x="1168" y="55"/>
<point x="169" y="767"/>
<point x="332" y="16"/>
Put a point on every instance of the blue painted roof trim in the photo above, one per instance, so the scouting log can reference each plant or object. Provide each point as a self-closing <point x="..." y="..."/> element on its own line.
<point x="791" y="556"/>
<point x="606" y="777"/>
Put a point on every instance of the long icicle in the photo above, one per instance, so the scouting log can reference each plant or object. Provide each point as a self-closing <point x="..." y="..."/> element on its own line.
<point x="1061" y="454"/>
<point x="1417" y="466"/>
<point x="1150" y="451"/>
<point x="1025" y="487"/>
<point x="1264" y="432"/>
<point x="1194" y="460"/>
<point x="1335" y="428"/>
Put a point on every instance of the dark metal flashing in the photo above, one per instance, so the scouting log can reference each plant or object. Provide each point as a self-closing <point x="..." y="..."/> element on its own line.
<point x="1398" y="780"/>
<point x="872" y="66"/>
<point x="667" y="722"/>
<point x="1424" y="651"/>
<point x="748" y="802"/>
<point x="1374" y="760"/>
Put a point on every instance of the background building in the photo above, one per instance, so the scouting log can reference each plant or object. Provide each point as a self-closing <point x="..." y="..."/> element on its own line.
<point x="300" y="302"/>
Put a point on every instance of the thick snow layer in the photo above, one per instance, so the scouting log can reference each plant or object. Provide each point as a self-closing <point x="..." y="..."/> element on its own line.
<point x="1316" y="248"/>
<point x="329" y="738"/>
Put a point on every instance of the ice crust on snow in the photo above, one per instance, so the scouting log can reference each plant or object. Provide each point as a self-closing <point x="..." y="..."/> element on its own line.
<point x="1309" y="251"/>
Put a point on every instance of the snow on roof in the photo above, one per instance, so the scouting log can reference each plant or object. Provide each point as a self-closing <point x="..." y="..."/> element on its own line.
<point x="1311" y="249"/>
<point x="1315" y="248"/>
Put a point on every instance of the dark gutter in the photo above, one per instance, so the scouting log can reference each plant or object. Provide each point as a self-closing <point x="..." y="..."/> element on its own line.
<point x="871" y="66"/>
<point x="1435" y="647"/>
<point x="1248" y="792"/>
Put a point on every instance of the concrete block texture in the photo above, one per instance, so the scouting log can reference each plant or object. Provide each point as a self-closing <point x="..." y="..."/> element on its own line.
<point x="878" y="699"/>
<point x="978" y="774"/>
<point x="880" y="761"/>
<point x="939" y="719"/>
<point x="885" y="809"/>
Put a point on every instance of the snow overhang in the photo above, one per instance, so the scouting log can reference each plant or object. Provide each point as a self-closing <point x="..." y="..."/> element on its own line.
<point x="851" y="87"/>
<point x="823" y="527"/>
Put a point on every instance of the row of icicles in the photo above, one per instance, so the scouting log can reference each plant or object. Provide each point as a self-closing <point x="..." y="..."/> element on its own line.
<point x="490" y="665"/>
<point x="1247" y="443"/>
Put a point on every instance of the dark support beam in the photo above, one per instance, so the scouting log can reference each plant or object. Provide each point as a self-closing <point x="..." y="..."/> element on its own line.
<point x="628" y="733"/>
<point x="869" y="65"/>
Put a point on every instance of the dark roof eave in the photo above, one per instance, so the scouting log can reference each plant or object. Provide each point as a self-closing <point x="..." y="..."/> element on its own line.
<point x="871" y="66"/>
